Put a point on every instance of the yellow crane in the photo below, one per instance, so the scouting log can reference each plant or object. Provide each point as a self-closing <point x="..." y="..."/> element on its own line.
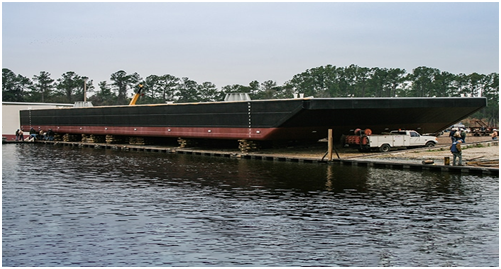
<point x="136" y="96"/>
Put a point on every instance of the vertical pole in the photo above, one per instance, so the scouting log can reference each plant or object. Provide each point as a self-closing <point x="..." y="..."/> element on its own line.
<point x="330" y="144"/>
<point x="85" y="89"/>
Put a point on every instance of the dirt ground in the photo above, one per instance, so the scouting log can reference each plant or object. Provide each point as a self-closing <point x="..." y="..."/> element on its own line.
<point x="477" y="151"/>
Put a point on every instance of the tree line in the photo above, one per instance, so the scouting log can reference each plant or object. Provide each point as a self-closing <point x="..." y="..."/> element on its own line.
<point x="323" y="81"/>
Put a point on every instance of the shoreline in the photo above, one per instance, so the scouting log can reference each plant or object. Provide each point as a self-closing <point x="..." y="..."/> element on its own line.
<point x="480" y="155"/>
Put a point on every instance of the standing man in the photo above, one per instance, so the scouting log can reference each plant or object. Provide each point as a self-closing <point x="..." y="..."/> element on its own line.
<point x="463" y="135"/>
<point x="452" y="133"/>
<point x="456" y="152"/>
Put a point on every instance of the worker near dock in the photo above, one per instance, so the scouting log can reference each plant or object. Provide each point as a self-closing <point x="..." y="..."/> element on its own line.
<point x="463" y="135"/>
<point x="33" y="133"/>
<point x="452" y="134"/>
<point x="49" y="135"/>
<point x="456" y="153"/>
<point x="21" y="135"/>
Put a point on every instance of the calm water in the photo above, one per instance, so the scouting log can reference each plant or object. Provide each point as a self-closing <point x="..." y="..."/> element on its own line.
<point x="67" y="206"/>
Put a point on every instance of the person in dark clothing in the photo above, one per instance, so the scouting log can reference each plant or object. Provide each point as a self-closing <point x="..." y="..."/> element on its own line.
<point x="33" y="133"/>
<point x="463" y="135"/>
<point x="49" y="136"/>
<point x="456" y="152"/>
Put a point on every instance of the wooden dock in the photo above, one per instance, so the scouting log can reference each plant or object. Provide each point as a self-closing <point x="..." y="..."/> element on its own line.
<point x="385" y="164"/>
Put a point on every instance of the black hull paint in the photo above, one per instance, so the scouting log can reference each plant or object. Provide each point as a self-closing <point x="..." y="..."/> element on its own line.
<point x="286" y="119"/>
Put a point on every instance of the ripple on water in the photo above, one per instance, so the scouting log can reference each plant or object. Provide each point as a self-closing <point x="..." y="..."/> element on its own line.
<point x="82" y="207"/>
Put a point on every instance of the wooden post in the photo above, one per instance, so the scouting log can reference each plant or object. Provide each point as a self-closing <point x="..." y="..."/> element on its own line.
<point x="447" y="160"/>
<point x="329" y="144"/>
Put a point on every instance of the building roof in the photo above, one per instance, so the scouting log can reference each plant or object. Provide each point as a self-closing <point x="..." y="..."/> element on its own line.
<point x="35" y="104"/>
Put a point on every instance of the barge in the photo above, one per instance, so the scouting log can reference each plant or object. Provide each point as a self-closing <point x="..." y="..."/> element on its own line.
<point x="256" y="120"/>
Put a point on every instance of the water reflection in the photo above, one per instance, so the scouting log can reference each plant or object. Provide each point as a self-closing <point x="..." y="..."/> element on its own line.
<point x="87" y="207"/>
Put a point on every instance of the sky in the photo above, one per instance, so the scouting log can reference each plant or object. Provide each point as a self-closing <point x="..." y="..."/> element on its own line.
<point x="230" y="43"/>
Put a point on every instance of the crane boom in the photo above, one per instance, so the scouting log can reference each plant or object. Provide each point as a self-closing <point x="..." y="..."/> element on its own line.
<point x="136" y="96"/>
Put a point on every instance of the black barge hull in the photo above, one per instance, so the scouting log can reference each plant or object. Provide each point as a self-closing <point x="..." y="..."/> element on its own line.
<point x="285" y="119"/>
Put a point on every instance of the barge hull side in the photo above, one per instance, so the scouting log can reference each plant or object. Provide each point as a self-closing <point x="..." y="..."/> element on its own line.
<point x="288" y="119"/>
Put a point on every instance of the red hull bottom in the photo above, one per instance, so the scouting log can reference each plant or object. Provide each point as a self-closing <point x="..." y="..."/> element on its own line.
<point x="190" y="132"/>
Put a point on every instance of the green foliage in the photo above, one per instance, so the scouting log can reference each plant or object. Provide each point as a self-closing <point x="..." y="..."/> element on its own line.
<point x="122" y="84"/>
<point x="71" y="87"/>
<point x="14" y="87"/>
<point x="188" y="91"/>
<point x="43" y="84"/>
<point x="104" y="96"/>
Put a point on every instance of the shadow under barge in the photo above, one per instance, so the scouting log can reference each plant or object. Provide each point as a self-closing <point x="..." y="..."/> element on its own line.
<point x="257" y="120"/>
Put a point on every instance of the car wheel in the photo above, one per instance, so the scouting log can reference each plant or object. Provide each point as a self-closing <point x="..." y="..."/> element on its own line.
<point x="384" y="148"/>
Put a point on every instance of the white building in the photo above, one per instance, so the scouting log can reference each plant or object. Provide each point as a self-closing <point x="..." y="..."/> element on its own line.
<point x="10" y="116"/>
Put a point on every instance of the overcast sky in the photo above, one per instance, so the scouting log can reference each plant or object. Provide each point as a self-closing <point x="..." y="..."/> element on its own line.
<point x="236" y="43"/>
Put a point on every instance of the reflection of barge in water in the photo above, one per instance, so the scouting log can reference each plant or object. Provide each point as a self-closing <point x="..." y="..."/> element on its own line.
<point x="281" y="119"/>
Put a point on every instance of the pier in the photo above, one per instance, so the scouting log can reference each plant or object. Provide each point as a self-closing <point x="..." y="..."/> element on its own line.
<point x="361" y="160"/>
